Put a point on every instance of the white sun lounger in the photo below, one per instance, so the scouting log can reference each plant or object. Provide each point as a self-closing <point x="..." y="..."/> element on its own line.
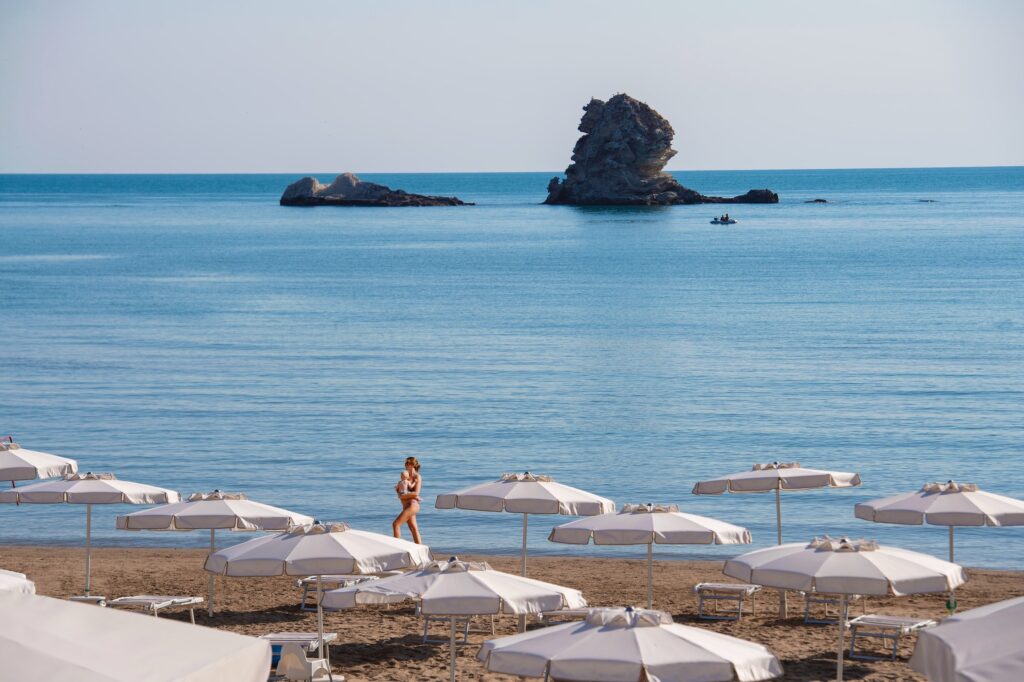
<point x="730" y="593"/>
<point x="890" y="628"/>
<point x="154" y="603"/>
<point x="811" y="599"/>
<point x="307" y="641"/>
<point x="327" y="582"/>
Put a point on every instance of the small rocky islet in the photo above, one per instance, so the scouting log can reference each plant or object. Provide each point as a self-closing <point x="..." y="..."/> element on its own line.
<point x="619" y="161"/>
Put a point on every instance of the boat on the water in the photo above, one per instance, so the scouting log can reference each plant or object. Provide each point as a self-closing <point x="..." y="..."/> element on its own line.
<point x="723" y="221"/>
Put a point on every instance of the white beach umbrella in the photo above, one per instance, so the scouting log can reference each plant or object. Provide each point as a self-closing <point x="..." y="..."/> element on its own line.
<point x="627" y="645"/>
<point x="54" y="639"/>
<point x="20" y="464"/>
<point x="89" y="489"/>
<point x="213" y="511"/>
<point x="526" y="494"/>
<point x="777" y="476"/>
<point x="17" y="583"/>
<point x="845" y="567"/>
<point x="649" y="524"/>
<point x="945" y="504"/>
<point x="460" y="588"/>
<point x="979" y="645"/>
<point x="318" y="549"/>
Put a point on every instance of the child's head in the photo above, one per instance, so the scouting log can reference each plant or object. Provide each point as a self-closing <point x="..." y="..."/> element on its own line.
<point x="404" y="476"/>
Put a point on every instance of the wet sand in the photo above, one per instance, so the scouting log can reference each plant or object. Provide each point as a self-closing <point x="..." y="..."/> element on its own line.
<point x="384" y="643"/>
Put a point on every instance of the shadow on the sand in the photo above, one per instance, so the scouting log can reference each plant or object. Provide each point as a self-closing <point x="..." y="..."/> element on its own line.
<point x="274" y="614"/>
<point x="405" y="648"/>
<point x="822" y="666"/>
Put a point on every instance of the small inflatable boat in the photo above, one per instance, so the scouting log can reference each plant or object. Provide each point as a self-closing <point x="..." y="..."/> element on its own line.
<point x="719" y="221"/>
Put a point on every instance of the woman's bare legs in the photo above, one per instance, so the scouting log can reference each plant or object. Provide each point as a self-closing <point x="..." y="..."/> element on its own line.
<point x="413" y="526"/>
<point x="396" y="525"/>
<point x="408" y="516"/>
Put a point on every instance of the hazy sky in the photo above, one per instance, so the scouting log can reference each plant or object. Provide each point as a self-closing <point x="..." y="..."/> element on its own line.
<point x="254" y="86"/>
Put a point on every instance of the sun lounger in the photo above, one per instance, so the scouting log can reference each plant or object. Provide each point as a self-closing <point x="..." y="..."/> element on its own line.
<point x="827" y="601"/>
<point x="328" y="582"/>
<point x="307" y="641"/>
<point x="90" y="599"/>
<point x="154" y="603"/>
<point x="730" y="593"/>
<point x="889" y="628"/>
<point x="292" y="664"/>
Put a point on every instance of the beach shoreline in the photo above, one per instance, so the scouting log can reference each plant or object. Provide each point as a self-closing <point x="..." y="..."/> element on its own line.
<point x="384" y="643"/>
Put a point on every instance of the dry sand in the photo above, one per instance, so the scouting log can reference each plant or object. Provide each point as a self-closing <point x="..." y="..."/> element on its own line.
<point x="383" y="643"/>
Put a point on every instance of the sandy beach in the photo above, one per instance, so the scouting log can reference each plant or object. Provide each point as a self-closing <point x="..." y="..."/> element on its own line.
<point x="378" y="643"/>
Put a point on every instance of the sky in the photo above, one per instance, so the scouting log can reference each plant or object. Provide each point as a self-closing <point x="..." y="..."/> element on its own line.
<point x="99" y="86"/>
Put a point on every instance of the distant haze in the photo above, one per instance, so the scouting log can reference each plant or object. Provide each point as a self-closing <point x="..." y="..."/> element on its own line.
<point x="259" y="86"/>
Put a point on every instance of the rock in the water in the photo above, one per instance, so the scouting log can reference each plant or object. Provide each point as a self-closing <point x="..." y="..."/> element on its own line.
<point x="619" y="161"/>
<point x="816" y="201"/>
<point x="349" y="190"/>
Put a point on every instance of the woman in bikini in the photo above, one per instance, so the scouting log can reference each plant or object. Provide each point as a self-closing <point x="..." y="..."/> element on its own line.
<point x="409" y="493"/>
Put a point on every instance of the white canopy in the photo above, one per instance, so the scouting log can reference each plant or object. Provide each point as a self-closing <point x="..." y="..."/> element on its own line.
<point x="526" y="494"/>
<point x="460" y="588"/>
<point x="89" y="489"/>
<point x="979" y="645"/>
<point x="623" y="645"/>
<point x="213" y="511"/>
<point x="845" y="567"/>
<point x="52" y="639"/>
<point x="318" y="549"/>
<point x="17" y="583"/>
<point x="20" y="464"/>
<point x="647" y="524"/>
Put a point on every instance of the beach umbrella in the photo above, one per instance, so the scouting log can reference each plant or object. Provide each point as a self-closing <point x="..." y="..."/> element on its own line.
<point x="945" y="504"/>
<point x="460" y="588"/>
<point x="627" y="645"/>
<point x="14" y="582"/>
<point x="89" y="489"/>
<point x="979" y="645"/>
<point x="54" y="639"/>
<point x="318" y="549"/>
<point x="213" y="511"/>
<point x="20" y="464"/>
<point x="777" y="476"/>
<point x="845" y="567"/>
<point x="647" y="524"/>
<point x="526" y="494"/>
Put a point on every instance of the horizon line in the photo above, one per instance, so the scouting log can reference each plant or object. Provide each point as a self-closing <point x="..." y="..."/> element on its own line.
<point x="512" y="172"/>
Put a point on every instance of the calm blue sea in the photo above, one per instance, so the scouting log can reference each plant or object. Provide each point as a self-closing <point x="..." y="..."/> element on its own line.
<point x="187" y="331"/>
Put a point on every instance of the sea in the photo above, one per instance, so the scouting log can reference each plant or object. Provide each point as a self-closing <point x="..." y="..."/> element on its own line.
<point x="187" y="331"/>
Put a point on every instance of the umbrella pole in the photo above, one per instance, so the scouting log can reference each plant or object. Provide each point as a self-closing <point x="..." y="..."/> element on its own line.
<point x="319" y="615"/>
<point x="213" y="548"/>
<point x="778" y="533"/>
<point x="650" y="575"/>
<point x="88" y="548"/>
<point x="452" y="642"/>
<point x="844" y="605"/>
<point x="951" y="600"/>
<point x="522" y="570"/>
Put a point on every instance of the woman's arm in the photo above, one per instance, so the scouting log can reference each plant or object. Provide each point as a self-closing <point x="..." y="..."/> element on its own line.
<point x="414" y="491"/>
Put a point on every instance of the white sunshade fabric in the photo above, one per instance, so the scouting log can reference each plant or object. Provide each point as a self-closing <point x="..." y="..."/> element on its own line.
<point x="21" y="464"/>
<point x="979" y="645"/>
<point x="945" y="504"/>
<point x="318" y="549"/>
<point x="526" y="494"/>
<point x="643" y="524"/>
<point x="53" y="639"/>
<point x="625" y="645"/>
<point x="89" y="488"/>
<point x="14" y="582"/>
<point x="776" y="476"/>
<point x="842" y="566"/>
<point x="213" y="511"/>
<point x="460" y="588"/>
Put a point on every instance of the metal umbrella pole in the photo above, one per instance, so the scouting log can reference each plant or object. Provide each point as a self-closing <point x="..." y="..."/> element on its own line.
<point x="88" y="548"/>
<point x="213" y="584"/>
<point x="843" y="611"/>
<point x="951" y="599"/>
<point x="650" y="574"/>
<point x="778" y="533"/>
<point x="452" y="642"/>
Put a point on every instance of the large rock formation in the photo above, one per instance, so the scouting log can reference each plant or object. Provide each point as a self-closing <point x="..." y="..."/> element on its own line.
<point x="349" y="190"/>
<point x="619" y="161"/>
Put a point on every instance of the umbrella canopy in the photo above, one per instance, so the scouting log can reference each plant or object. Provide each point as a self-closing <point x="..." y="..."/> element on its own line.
<point x="460" y="588"/>
<point x="979" y="645"/>
<point x="14" y="582"/>
<point x="526" y="494"/>
<point x="20" y="464"/>
<point x="318" y="549"/>
<point x="777" y="476"/>
<point x="53" y="639"/>
<point x="89" y="489"/>
<point x="626" y="645"/>
<point x="213" y="511"/>
<point x="845" y="567"/>
<point x="647" y="524"/>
